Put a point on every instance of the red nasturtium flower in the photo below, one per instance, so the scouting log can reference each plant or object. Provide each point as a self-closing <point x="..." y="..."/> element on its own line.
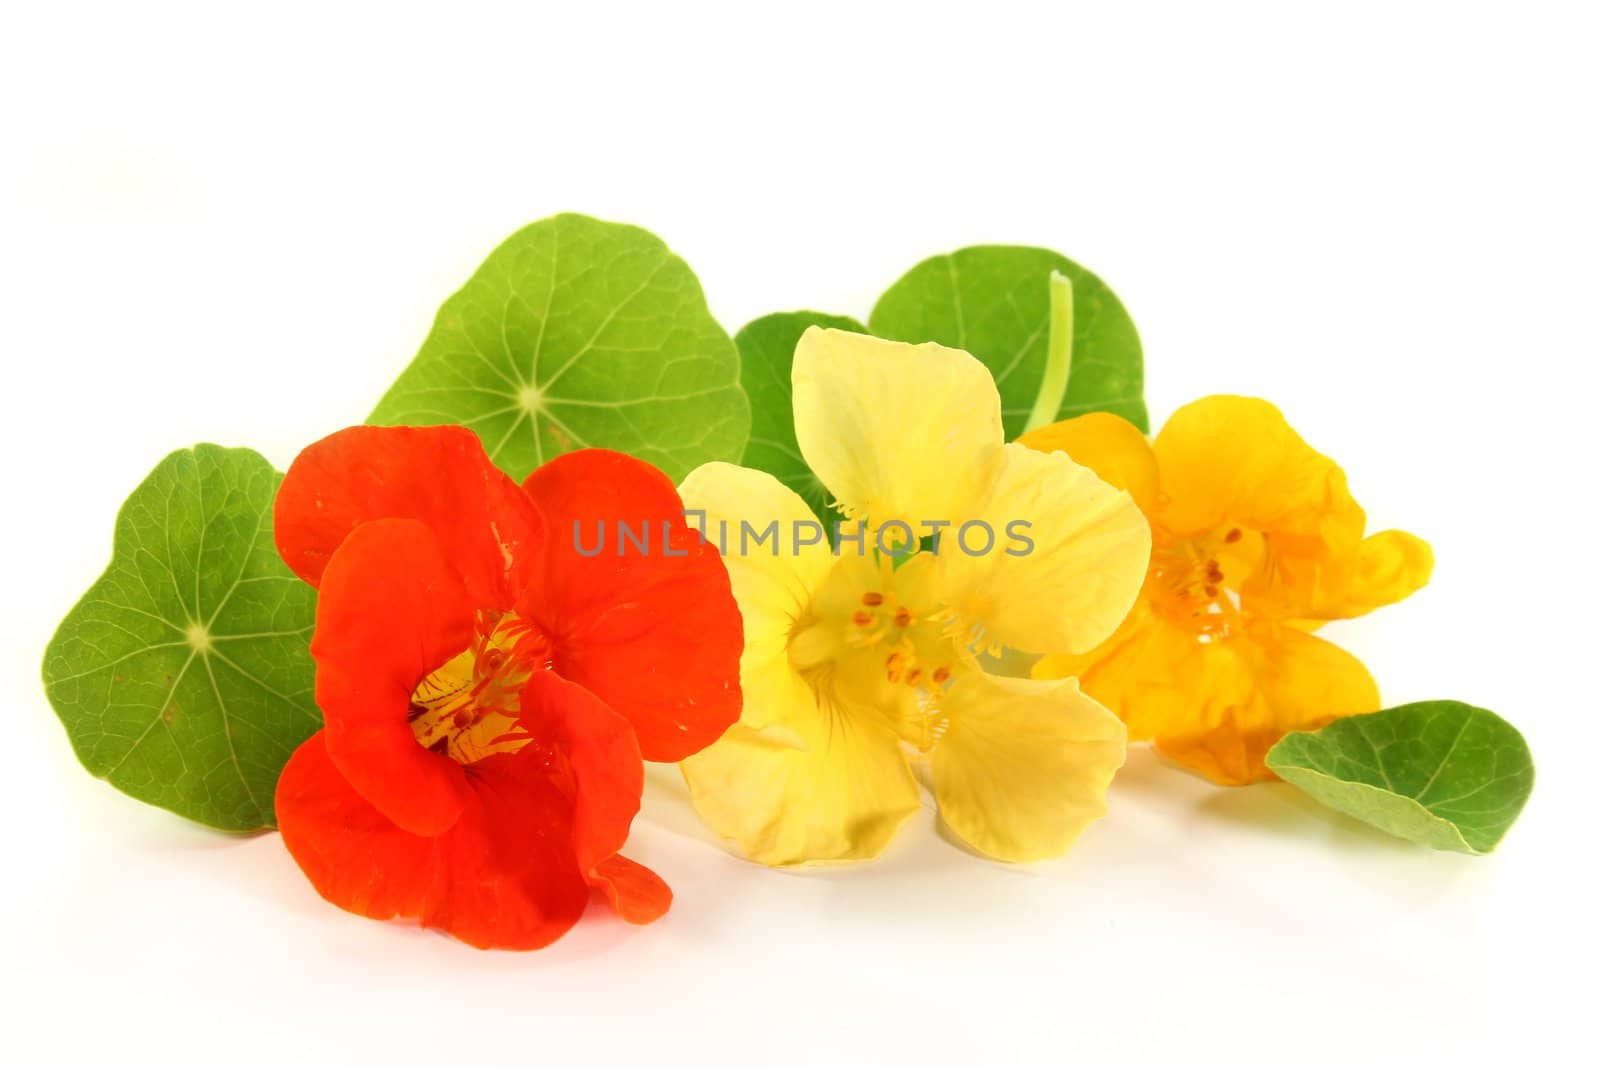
<point x="488" y="689"/>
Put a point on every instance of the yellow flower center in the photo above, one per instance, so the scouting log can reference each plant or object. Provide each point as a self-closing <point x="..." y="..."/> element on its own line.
<point x="1199" y="581"/>
<point x="864" y="645"/>
<point x="885" y="628"/>
<point x="467" y="709"/>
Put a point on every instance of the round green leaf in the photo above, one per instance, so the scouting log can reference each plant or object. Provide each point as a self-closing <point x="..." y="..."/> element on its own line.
<point x="578" y="333"/>
<point x="184" y="676"/>
<point x="1441" y="773"/>
<point x="995" y="302"/>
<point x="766" y="357"/>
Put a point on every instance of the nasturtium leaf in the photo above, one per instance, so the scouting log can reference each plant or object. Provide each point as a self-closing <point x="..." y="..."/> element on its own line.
<point x="578" y="333"/>
<point x="766" y="357"/>
<point x="184" y="675"/>
<point x="1441" y="773"/>
<point x="995" y="302"/>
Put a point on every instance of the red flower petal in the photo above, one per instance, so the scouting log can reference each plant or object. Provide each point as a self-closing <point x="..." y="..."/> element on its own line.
<point x="353" y="855"/>
<point x="437" y="475"/>
<point x="391" y="610"/>
<point x="636" y="892"/>
<point x="603" y="755"/>
<point x="604" y="758"/>
<point x="656" y="634"/>
<point x="502" y="877"/>
<point x="509" y="877"/>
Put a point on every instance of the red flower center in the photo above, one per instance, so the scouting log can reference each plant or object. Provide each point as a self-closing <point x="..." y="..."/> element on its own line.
<point x="467" y="709"/>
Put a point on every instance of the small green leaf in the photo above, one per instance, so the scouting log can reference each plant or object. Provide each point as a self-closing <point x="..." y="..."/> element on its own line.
<point x="577" y="333"/>
<point x="184" y="676"/>
<point x="766" y="356"/>
<point x="1441" y="773"/>
<point x="995" y="302"/>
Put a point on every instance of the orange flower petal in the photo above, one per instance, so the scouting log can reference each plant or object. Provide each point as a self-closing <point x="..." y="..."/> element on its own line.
<point x="1248" y="695"/>
<point x="1217" y="706"/>
<point x="437" y="475"/>
<point x="1387" y="568"/>
<point x="1234" y="459"/>
<point x="391" y="610"/>
<point x="1111" y="446"/>
<point x="654" y="631"/>
<point x="1139" y="672"/>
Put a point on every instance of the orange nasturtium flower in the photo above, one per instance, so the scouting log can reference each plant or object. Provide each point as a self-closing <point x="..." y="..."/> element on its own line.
<point x="489" y="683"/>
<point x="856" y="664"/>
<point x="1257" y="543"/>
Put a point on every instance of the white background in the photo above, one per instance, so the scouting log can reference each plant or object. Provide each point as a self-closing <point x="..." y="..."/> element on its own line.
<point x="237" y="228"/>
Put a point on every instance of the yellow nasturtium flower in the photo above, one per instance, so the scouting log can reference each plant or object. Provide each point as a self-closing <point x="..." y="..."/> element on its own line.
<point x="856" y="663"/>
<point x="1257" y="543"/>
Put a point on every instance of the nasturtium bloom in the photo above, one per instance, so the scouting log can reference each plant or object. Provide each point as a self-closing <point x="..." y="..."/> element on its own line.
<point x="488" y="688"/>
<point x="858" y="661"/>
<point x="1257" y="543"/>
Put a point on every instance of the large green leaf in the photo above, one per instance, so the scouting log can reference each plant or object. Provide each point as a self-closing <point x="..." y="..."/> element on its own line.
<point x="766" y="357"/>
<point x="1442" y="773"/>
<point x="995" y="301"/>
<point x="576" y="333"/>
<point x="183" y="676"/>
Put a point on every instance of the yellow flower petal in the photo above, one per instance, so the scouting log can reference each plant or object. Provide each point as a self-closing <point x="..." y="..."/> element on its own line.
<point x="1388" y="567"/>
<point x="793" y="781"/>
<point x="1107" y="444"/>
<point x="1090" y="547"/>
<point x="773" y="589"/>
<point x="1024" y="765"/>
<point x="895" y="431"/>
<point x="816" y="783"/>
<point x="1234" y="459"/>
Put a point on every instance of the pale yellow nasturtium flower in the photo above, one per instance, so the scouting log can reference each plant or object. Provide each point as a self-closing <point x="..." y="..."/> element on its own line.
<point x="854" y="666"/>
